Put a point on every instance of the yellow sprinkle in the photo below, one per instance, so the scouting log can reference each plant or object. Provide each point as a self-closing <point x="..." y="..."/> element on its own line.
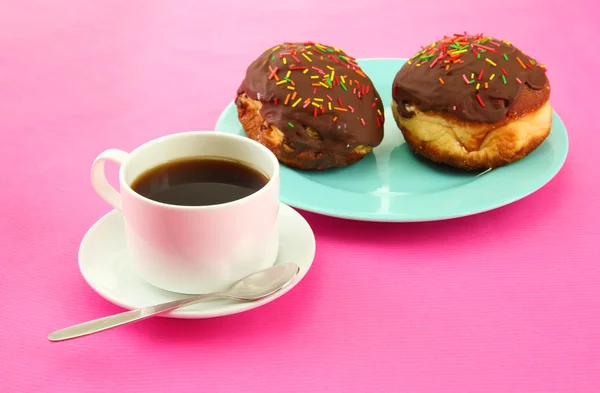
<point x="291" y="87"/>
<point x="324" y="85"/>
<point x="329" y="105"/>
<point x="419" y="65"/>
<point x="343" y="78"/>
<point x="307" y="58"/>
<point x="305" y="71"/>
<point x="297" y="102"/>
<point x="492" y="76"/>
<point x="332" y="75"/>
<point x="330" y="67"/>
<point x="472" y="75"/>
<point x="477" y="87"/>
<point x="284" y="60"/>
<point x="314" y="77"/>
<point x="336" y="49"/>
<point x="290" y="73"/>
<point x="491" y="62"/>
<point x="281" y="82"/>
<point x="277" y="47"/>
<point x="409" y="62"/>
<point x="315" y="104"/>
<point x="321" y="46"/>
<point x="308" y="47"/>
<point x="317" y="99"/>
<point x="378" y="111"/>
<point x="458" y="52"/>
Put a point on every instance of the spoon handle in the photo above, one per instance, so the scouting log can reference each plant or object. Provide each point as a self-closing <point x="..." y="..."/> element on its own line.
<point x="111" y="321"/>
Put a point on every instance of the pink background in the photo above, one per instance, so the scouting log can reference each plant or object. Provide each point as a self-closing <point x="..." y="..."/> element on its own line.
<point x="506" y="301"/>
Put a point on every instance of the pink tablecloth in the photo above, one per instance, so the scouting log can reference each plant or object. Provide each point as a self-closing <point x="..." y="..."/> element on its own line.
<point x="506" y="301"/>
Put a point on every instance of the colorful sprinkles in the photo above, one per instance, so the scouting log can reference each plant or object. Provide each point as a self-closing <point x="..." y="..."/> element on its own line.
<point x="329" y="83"/>
<point x="449" y="51"/>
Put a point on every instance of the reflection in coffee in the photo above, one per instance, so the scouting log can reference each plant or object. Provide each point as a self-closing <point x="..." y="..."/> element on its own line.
<point x="199" y="181"/>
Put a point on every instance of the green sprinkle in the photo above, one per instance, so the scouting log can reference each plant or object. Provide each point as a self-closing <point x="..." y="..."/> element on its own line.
<point x="329" y="80"/>
<point x="291" y="125"/>
<point x="505" y="57"/>
<point x="472" y="81"/>
<point x="533" y="61"/>
<point x="479" y="56"/>
<point x="343" y="86"/>
<point x="358" y="118"/>
<point x="415" y="56"/>
<point x="464" y="47"/>
<point x="343" y="57"/>
<point x="483" y="50"/>
<point x="330" y="50"/>
<point x="288" y="79"/>
<point x="273" y="58"/>
<point x="504" y="79"/>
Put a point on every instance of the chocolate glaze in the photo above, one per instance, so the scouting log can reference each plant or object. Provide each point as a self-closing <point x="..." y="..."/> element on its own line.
<point x="418" y="81"/>
<point x="356" y="120"/>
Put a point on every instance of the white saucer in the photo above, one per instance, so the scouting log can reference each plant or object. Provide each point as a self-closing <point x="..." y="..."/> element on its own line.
<point x="105" y="266"/>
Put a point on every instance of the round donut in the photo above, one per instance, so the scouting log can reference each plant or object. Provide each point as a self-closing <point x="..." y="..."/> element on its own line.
<point x="473" y="102"/>
<point x="311" y="105"/>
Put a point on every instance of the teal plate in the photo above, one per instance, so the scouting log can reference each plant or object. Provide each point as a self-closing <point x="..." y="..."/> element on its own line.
<point x="391" y="184"/>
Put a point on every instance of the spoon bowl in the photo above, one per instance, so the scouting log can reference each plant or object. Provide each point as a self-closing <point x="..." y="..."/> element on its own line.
<point x="263" y="283"/>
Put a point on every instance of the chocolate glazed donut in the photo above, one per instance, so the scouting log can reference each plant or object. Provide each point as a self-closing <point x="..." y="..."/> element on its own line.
<point x="312" y="105"/>
<point x="473" y="102"/>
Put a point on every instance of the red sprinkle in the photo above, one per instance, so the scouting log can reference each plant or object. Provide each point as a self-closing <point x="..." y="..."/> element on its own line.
<point x="276" y="101"/>
<point x="368" y="89"/>
<point x="351" y="109"/>
<point x="480" y="101"/>
<point x="362" y="121"/>
<point x="378" y="122"/>
<point x="315" y="112"/>
<point x="480" y="75"/>
<point x="374" y="104"/>
<point x="340" y="101"/>
<point x="330" y="99"/>
<point x="504" y="71"/>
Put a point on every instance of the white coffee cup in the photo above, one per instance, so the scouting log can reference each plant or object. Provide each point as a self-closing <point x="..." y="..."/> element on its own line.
<point x="195" y="249"/>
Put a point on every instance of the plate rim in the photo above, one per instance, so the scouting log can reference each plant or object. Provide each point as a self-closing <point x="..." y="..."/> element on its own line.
<point x="407" y="217"/>
<point x="186" y="313"/>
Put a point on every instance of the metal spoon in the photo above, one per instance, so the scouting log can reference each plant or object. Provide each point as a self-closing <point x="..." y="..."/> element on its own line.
<point x="253" y="287"/>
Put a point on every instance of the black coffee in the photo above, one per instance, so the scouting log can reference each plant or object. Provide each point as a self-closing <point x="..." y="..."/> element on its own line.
<point x="199" y="182"/>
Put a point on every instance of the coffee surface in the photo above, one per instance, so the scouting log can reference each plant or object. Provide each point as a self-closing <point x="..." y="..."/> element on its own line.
<point x="199" y="182"/>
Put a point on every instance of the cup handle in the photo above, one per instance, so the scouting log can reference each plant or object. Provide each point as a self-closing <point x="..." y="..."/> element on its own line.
<point x="99" y="181"/>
